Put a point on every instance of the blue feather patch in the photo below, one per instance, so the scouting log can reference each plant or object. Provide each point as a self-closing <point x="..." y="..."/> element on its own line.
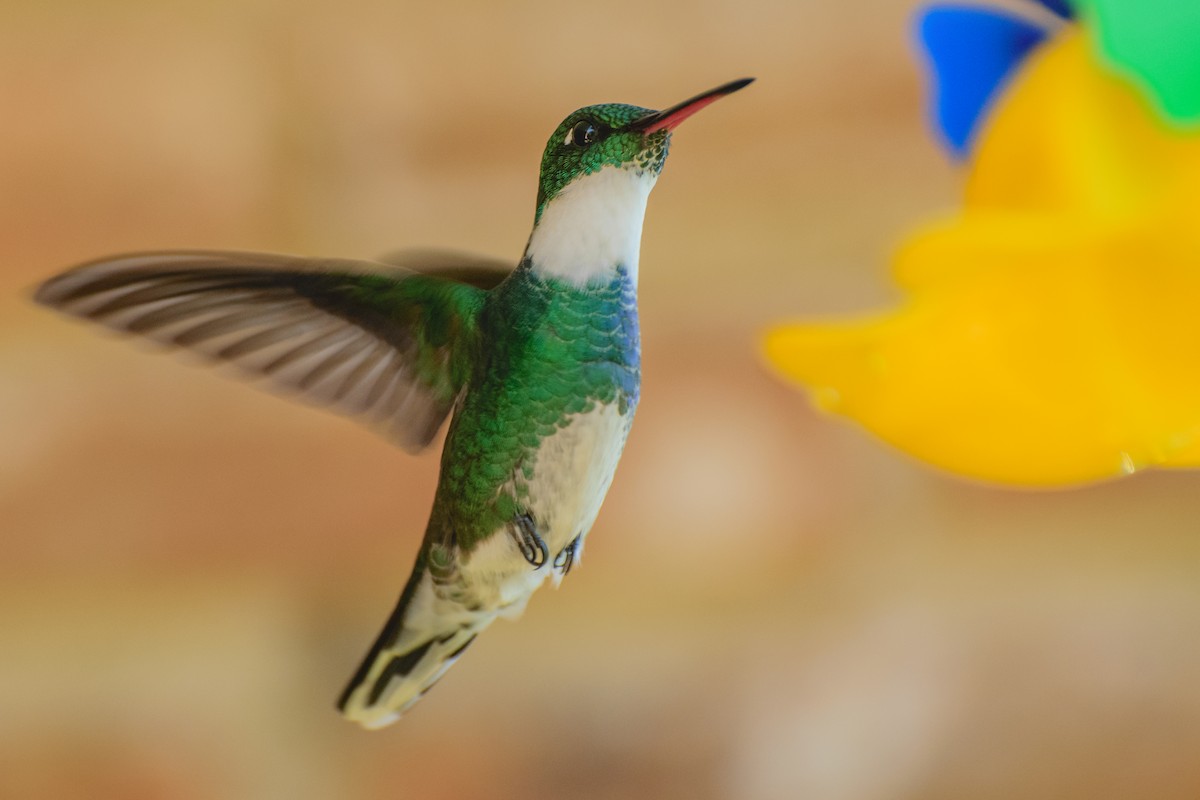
<point x="971" y="51"/>
<point x="1060" y="7"/>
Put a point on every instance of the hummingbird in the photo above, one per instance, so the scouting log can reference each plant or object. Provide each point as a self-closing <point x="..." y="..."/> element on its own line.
<point x="537" y="366"/>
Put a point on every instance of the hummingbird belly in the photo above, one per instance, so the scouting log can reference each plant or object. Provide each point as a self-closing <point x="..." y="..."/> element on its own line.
<point x="572" y="470"/>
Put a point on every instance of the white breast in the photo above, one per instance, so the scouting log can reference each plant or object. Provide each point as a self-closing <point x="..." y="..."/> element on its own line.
<point x="592" y="226"/>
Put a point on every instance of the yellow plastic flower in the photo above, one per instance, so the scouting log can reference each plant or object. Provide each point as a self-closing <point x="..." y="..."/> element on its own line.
<point x="1051" y="331"/>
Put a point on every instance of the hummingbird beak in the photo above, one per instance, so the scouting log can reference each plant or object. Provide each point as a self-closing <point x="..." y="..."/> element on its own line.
<point x="669" y="119"/>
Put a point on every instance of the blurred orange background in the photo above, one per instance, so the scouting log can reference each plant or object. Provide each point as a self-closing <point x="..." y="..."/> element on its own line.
<point x="772" y="605"/>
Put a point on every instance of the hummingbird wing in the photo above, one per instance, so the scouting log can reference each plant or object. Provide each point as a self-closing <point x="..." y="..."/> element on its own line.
<point x="484" y="272"/>
<point x="389" y="348"/>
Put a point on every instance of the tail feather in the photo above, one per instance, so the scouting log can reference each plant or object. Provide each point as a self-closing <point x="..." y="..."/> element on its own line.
<point x="424" y="636"/>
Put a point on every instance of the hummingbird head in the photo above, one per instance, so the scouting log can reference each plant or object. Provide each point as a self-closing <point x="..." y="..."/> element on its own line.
<point x="615" y="135"/>
<point x="597" y="171"/>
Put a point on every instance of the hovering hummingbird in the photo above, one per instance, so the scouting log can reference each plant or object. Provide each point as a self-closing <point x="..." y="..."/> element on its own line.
<point x="539" y="368"/>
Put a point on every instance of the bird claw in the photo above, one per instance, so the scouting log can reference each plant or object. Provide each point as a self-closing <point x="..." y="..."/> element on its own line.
<point x="533" y="547"/>
<point x="566" y="557"/>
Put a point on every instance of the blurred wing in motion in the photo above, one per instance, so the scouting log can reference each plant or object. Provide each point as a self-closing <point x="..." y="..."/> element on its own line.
<point x="389" y="348"/>
<point x="484" y="272"/>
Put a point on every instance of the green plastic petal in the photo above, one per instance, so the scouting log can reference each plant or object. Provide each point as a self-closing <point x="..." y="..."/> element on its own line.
<point x="1155" y="43"/>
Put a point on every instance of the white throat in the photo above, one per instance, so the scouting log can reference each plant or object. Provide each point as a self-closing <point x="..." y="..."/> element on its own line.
<point x="592" y="226"/>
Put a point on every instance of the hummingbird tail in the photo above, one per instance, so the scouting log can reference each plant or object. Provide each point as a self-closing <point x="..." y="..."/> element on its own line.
<point x="423" y="637"/>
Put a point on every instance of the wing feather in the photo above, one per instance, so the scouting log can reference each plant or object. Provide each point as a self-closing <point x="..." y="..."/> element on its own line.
<point x="353" y="336"/>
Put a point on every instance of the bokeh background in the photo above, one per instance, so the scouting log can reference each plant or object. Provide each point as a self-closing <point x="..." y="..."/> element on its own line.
<point x="772" y="605"/>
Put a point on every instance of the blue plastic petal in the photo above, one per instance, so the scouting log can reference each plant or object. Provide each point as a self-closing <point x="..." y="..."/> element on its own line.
<point x="971" y="51"/>
<point x="1060" y="7"/>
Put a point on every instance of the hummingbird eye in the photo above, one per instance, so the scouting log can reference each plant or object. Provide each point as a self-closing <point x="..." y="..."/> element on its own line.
<point x="583" y="134"/>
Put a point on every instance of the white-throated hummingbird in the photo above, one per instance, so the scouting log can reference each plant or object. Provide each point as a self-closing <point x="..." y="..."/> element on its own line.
<point x="538" y="368"/>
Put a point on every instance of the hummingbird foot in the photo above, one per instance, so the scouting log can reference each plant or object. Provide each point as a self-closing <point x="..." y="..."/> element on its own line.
<point x="566" y="557"/>
<point x="533" y="547"/>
